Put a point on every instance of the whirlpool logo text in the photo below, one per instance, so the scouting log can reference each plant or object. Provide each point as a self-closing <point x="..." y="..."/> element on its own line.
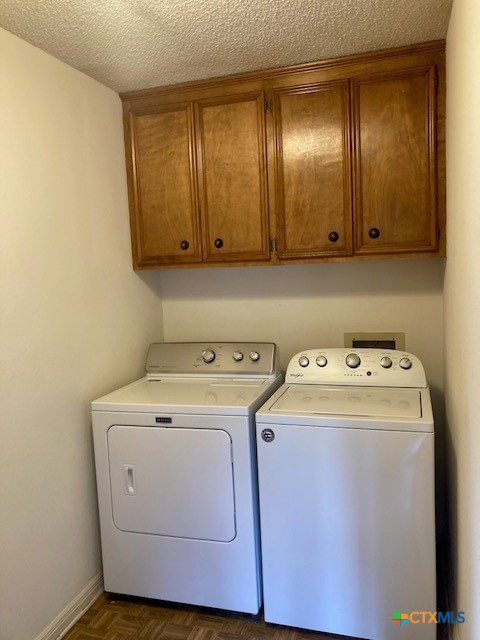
<point x="428" y="617"/>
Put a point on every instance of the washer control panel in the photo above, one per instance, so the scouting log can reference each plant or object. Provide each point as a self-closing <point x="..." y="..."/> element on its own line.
<point x="212" y="358"/>
<point x="359" y="367"/>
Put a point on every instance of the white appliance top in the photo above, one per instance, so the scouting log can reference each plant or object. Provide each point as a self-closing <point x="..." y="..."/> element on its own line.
<point x="352" y="388"/>
<point x="187" y="395"/>
<point x="187" y="378"/>
<point x="353" y="401"/>
<point x="356" y="367"/>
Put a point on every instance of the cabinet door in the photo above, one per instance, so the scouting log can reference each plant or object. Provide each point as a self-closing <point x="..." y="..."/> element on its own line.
<point x="395" y="171"/>
<point x="164" y="215"/>
<point x="232" y="177"/>
<point x="312" y="170"/>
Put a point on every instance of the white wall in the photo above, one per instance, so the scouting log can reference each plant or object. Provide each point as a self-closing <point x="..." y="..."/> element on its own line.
<point x="75" y="323"/>
<point x="301" y="307"/>
<point x="462" y="306"/>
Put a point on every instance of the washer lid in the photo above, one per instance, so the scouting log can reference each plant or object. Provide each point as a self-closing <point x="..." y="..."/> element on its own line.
<point x="349" y="401"/>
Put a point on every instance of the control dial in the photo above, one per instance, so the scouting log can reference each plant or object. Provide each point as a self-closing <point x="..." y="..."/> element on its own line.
<point x="386" y="362"/>
<point x="353" y="360"/>
<point x="254" y="356"/>
<point x="237" y="356"/>
<point x="208" y="355"/>
<point x="303" y="361"/>
<point x="321" y="361"/>
<point x="405" y="363"/>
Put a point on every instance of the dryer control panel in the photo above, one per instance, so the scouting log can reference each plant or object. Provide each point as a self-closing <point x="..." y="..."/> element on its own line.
<point x="356" y="367"/>
<point x="212" y="358"/>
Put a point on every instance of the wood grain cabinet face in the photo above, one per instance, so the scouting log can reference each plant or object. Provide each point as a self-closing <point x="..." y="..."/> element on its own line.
<point x="232" y="178"/>
<point x="164" y="211"/>
<point x="312" y="170"/>
<point x="395" y="155"/>
<point x="322" y="162"/>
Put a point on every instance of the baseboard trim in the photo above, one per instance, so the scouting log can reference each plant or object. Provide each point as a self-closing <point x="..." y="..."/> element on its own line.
<point x="73" y="611"/>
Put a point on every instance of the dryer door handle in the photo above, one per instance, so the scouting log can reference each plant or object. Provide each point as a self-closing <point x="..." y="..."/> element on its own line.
<point x="128" y="470"/>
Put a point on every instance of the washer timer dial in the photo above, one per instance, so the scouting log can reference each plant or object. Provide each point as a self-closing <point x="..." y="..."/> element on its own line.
<point x="208" y="355"/>
<point x="405" y="363"/>
<point x="353" y="360"/>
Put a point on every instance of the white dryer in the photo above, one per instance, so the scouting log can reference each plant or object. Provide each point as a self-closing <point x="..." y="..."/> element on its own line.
<point x="347" y="506"/>
<point x="176" y="475"/>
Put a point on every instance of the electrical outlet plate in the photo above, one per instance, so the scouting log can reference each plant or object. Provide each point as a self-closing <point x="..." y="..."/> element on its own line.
<point x="375" y="340"/>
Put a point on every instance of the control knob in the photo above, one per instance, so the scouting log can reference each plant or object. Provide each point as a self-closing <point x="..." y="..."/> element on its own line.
<point x="208" y="355"/>
<point x="303" y="361"/>
<point x="353" y="360"/>
<point x="254" y="356"/>
<point x="386" y="362"/>
<point x="237" y="356"/>
<point x="405" y="363"/>
<point x="321" y="361"/>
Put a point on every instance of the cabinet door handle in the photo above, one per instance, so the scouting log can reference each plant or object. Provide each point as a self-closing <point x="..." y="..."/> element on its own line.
<point x="374" y="233"/>
<point x="184" y="245"/>
<point x="218" y="243"/>
<point x="333" y="236"/>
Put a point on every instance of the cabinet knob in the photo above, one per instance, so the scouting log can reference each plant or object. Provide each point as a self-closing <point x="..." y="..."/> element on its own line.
<point x="184" y="245"/>
<point x="374" y="233"/>
<point x="218" y="243"/>
<point x="333" y="236"/>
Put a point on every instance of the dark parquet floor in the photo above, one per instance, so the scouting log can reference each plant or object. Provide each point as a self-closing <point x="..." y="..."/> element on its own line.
<point x="127" y="618"/>
<point x="114" y="617"/>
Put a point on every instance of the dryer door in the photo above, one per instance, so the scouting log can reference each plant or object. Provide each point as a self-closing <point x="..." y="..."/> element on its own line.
<point x="172" y="482"/>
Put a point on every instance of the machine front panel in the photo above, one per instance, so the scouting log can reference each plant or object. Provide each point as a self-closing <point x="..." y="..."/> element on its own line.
<point x="348" y="527"/>
<point x="169" y="481"/>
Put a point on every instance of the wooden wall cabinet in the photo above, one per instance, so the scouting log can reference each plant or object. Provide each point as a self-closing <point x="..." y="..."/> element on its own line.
<point x="197" y="180"/>
<point x="312" y="170"/>
<point x="163" y="193"/>
<point x="231" y="177"/>
<point x="395" y="162"/>
<point x="340" y="160"/>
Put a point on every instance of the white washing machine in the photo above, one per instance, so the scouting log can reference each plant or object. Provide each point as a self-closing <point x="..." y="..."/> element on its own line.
<point x="347" y="506"/>
<point x="176" y="475"/>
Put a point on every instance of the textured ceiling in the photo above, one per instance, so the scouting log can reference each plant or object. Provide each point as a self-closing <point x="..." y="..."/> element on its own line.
<point x="133" y="44"/>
